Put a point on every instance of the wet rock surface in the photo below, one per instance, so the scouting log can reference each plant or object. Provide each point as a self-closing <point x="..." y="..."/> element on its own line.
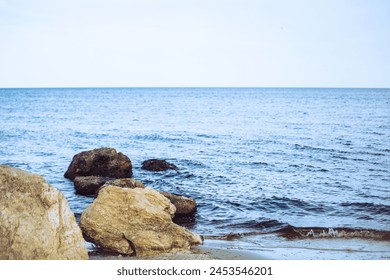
<point x="103" y="162"/>
<point x="88" y="185"/>
<point x="157" y="165"/>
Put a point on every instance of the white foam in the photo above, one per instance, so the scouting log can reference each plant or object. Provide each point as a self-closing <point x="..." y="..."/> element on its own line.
<point x="332" y="233"/>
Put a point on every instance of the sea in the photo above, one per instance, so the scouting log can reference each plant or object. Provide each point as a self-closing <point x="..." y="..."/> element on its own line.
<point x="299" y="162"/>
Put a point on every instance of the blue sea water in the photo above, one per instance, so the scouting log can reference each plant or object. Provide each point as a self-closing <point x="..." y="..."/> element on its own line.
<point x="255" y="159"/>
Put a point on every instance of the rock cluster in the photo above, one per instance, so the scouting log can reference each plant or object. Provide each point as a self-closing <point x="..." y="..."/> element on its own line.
<point x="126" y="216"/>
<point x="35" y="220"/>
<point x="89" y="170"/>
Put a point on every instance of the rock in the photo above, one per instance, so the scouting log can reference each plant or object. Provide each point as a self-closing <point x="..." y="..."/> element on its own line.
<point x="184" y="206"/>
<point x="135" y="222"/>
<point x="129" y="183"/>
<point x="103" y="162"/>
<point x="157" y="165"/>
<point x="88" y="185"/>
<point x="35" y="220"/>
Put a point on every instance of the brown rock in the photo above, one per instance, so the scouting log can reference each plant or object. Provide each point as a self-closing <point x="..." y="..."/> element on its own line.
<point x="184" y="206"/>
<point x="103" y="162"/>
<point x="35" y="219"/>
<point x="135" y="221"/>
<point x="88" y="185"/>
<point x="157" y="165"/>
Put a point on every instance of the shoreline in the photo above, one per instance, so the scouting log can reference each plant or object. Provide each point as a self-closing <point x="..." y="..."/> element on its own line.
<point x="210" y="251"/>
<point x="273" y="248"/>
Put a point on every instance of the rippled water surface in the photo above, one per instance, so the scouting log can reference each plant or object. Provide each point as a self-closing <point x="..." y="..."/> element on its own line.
<point x="254" y="159"/>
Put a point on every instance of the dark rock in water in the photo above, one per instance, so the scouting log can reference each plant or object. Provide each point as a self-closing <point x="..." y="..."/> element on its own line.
<point x="184" y="206"/>
<point x="104" y="162"/>
<point x="157" y="165"/>
<point x="290" y="232"/>
<point x="88" y="185"/>
<point x="185" y="221"/>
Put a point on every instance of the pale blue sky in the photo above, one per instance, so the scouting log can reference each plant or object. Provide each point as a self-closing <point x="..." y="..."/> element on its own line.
<point x="259" y="43"/>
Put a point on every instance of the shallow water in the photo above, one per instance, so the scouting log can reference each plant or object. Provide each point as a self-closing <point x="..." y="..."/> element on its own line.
<point x="255" y="160"/>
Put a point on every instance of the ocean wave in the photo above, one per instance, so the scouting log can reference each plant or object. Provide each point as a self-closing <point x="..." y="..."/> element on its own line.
<point x="291" y="232"/>
<point x="285" y="203"/>
<point x="267" y="225"/>
<point x="260" y="163"/>
<point x="372" y="208"/>
<point x="318" y="149"/>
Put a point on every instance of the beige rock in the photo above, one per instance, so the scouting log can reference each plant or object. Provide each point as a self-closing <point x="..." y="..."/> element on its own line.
<point x="135" y="221"/>
<point x="185" y="206"/>
<point x="129" y="183"/>
<point x="35" y="219"/>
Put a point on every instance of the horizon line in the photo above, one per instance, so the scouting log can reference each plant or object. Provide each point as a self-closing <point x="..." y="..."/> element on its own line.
<point x="194" y="87"/>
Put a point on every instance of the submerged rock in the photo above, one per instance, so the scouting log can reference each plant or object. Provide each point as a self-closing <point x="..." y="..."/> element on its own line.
<point x="184" y="206"/>
<point x="157" y="165"/>
<point x="88" y="185"/>
<point x="35" y="220"/>
<point x="135" y="222"/>
<point x="103" y="162"/>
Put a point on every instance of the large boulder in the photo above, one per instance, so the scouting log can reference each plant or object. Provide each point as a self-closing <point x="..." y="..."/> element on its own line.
<point x="103" y="162"/>
<point x="157" y="165"/>
<point x="135" y="222"/>
<point x="185" y="206"/>
<point x="35" y="220"/>
<point x="88" y="185"/>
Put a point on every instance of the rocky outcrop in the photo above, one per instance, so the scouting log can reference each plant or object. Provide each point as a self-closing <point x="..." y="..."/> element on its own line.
<point x="103" y="162"/>
<point x="157" y="165"/>
<point x="88" y="185"/>
<point x="135" y="222"/>
<point x="35" y="219"/>
<point x="184" y="206"/>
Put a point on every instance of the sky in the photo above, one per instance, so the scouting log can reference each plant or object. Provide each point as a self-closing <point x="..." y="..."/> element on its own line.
<point x="195" y="43"/>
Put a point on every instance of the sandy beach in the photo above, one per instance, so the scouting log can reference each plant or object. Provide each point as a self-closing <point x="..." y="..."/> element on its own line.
<point x="209" y="251"/>
<point x="246" y="249"/>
